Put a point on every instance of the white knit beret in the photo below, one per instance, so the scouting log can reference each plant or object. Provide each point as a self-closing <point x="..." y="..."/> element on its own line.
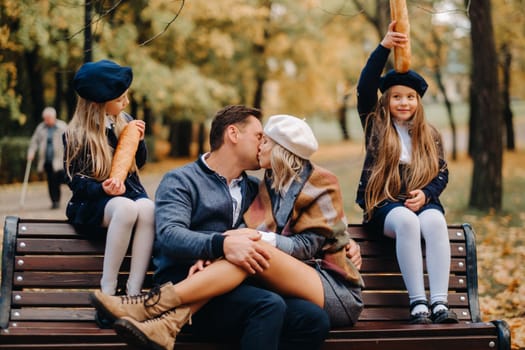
<point x="292" y="133"/>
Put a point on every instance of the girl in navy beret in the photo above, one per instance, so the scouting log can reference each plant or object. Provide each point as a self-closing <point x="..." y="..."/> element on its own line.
<point x="403" y="176"/>
<point x="100" y="206"/>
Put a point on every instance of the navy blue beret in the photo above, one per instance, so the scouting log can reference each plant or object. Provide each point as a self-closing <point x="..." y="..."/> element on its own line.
<point x="410" y="79"/>
<point x="102" y="81"/>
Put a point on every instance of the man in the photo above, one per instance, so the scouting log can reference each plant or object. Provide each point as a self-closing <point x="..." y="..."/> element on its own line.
<point x="47" y="140"/>
<point x="195" y="205"/>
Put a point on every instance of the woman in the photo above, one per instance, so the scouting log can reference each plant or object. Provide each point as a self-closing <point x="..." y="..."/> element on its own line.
<point x="310" y="226"/>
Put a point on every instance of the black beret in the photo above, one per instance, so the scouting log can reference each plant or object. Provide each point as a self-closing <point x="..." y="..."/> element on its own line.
<point x="410" y="79"/>
<point x="102" y="81"/>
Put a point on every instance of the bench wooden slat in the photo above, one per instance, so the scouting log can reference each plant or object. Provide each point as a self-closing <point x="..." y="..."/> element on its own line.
<point x="54" y="228"/>
<point x="387" y="249"/>
<point x="379" y="264"/>
<point x="383" y="313"/>
<point x="59" y="246"/>
<point x="66" y="298"/>
<point x="455" y="233"/>
<point x="61" y="263"/>
<point x="53" y="314"/>
<point x="400" y="298"/>
<point x="80" y="298"/>
<point x="29" y="279"/>
<point x="395" y="282"/>
<point x="64" y="314"/>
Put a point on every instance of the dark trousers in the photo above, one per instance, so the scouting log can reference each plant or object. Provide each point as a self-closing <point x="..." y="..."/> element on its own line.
<point x="54" y="180"/>
<point x="262" y="320"/>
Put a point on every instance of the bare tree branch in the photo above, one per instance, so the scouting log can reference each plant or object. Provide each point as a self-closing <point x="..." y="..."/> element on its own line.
<point x="166" y="27"/>
<point x="114" y="7"/>
<point x="98" y="19"/>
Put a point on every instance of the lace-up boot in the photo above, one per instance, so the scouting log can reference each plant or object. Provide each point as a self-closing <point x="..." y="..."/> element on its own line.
<point x="140" y="307"/>
<point x="158" y="333"/>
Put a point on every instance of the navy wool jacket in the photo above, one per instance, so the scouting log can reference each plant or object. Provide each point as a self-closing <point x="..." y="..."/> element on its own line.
<point x="367" y="97"/>
<point x="85" y="209"/>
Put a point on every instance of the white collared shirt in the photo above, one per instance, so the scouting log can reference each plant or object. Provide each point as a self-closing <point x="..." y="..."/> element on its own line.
<point x="406" y="143"/>
<point x="235" y="191"/>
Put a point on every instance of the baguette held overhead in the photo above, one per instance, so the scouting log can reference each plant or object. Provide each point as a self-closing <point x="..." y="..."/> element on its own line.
<point x="402" y="55"/>
<point x="124" y="155"/>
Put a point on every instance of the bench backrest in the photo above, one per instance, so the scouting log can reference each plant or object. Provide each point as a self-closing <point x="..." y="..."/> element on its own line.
<point x="48" y="271"/>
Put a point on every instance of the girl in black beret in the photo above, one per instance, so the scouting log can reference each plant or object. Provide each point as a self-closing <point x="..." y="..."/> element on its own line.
<point x="403" y="176"/>
<point x="100" y="206"/>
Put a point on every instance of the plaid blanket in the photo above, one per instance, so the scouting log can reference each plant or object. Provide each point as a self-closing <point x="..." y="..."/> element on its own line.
<point x="312" y="204"/>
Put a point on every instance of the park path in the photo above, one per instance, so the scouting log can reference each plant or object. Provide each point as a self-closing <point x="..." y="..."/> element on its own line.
<point x="37" y="204"/>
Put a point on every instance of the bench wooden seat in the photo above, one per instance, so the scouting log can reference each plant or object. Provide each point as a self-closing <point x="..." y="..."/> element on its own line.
<point x="48" y="271"/>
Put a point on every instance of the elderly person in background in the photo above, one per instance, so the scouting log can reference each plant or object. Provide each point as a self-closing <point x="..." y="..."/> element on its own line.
<point x="47" y="141"/>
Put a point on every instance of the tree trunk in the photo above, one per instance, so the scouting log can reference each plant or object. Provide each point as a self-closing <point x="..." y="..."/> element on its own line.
<point x="448" y="106"/>
<point x="343" y="108"/>
<point x="507" y="111"/>
<point x="260" y="59"/>
<point x="88" y="52"/>
<point x="71" y="95"/>
<point x="36" y="85"/>
<point x="180" y="138"/>
<point x="486" y="190"/>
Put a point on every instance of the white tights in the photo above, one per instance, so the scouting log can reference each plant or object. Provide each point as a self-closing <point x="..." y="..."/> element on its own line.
<point x="407" y="228"/>
<point x="122" y="217"/>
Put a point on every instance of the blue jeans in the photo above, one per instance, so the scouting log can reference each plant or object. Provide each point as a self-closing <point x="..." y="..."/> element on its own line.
<point x="261" y="319"/>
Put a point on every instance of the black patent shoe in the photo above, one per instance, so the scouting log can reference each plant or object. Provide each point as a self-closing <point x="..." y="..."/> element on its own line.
<point x="444" y="315"/>
<point x="420" y="317"/>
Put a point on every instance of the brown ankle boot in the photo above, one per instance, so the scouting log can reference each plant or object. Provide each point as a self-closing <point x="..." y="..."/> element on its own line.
<point x="157" y="333"/>
<point x="140" y="307"/>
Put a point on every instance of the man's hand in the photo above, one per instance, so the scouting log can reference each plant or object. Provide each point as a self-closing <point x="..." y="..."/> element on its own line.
<point x="353" y="252"/>
<point x="245" y="251"/>
<point x="248" y="232"/>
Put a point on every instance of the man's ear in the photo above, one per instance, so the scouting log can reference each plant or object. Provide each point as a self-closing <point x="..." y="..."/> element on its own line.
<point x="232" y="134"/>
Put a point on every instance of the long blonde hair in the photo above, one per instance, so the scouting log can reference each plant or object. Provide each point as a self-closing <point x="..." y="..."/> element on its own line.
<point x="87" y="140"/>
<point x="286" y="166"/>
<point x="386" y="182"/>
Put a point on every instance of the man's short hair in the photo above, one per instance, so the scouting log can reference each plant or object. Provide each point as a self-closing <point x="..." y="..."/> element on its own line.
<point x="233" y="114"/>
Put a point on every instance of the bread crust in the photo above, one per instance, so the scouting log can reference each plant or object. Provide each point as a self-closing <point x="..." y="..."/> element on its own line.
<point x="124" y="155"/>
<point x="402" y="55"/>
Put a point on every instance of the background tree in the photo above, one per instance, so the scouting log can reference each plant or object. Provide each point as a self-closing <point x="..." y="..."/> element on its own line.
<point x="485" y="112"/>
<point x="509" y="28"/>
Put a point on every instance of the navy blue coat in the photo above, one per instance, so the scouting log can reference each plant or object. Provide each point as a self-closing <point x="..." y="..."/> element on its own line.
<point x="367" y="90"/>
<point x="85" y="209"/>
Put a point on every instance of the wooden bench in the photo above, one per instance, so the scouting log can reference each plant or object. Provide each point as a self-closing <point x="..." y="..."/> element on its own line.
<point x="48" y="271"/>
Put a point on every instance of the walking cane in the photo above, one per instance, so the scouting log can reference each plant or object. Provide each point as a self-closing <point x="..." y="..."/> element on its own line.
<point x="24" y="186"/>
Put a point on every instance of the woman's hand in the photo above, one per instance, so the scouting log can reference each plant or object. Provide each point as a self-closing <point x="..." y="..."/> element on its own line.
<point x="353" y="252"/>
<point x="198" y="266"/>
<point x="393" y="38"/>
<point x="113" y="186"/>
<point x="416" y="201"/>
